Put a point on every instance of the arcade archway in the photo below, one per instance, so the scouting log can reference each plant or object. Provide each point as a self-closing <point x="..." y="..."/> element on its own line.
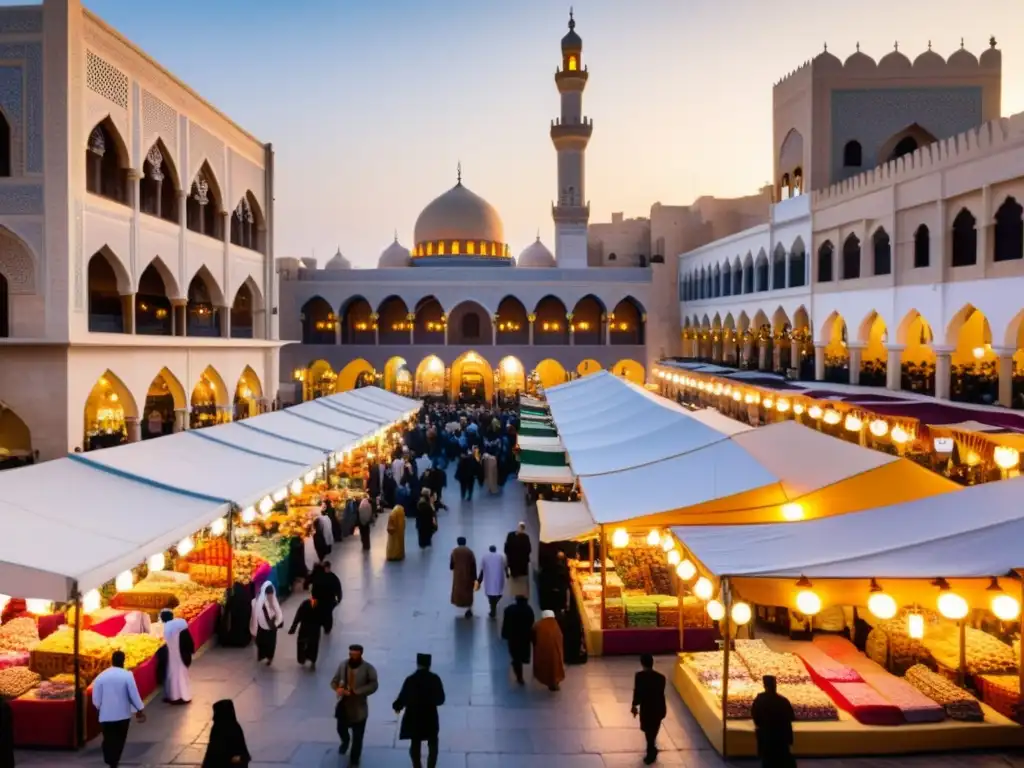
<point x="319" y="380"/>
<point x="248" y="394"/>
<point x="630" y="370"/>
<point x="550" y="373"/>
<point x="472" y="379"/>
<point x="511" y="376"/>
<point x="15" y="439"/>
<point x="165" y="400"/>
<point x="391" y="370"/>
<point x="429" y="379"/>
<point x="110" y="411"/>
<point x="209" y="400"/>
<point x="588" y="367"/>
<point x="356" y="374"/>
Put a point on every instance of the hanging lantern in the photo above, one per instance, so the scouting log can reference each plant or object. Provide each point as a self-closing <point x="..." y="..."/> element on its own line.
<point x="1004" y="607"/>
<point x="248" y="515"/>
<point x="157" y="562"/>
<point x="686" y="570"/>
<point x="703" y="589"/>
<point x="674" y="557"/>
<point x="899" y="435"/>
<point x="266" y="504"/>
<point x="620" y="539"/>
<point x="185" y="546"/>
<point x="952" y="606"/>
<point x="310" y="477"/>
<point x="667" y="544"/>
<point x="879" y="427"/>
<point x="768" y="402"/>
<point x="741" y="613"/>
<point x="295" y="487"/>
<point x="915" y="625"/>
<point x="716" y="610"/>
<point x="125" y="580"/>
<point x="815" y="412"/>
<point x="852" y="423"/>
<point x="1006" y="458"/>
<point x="881" y="605"/>
<point x="91" y="601"/>
<point x="807" y="601"/>
<point x="798" y="408"/>
<point x="782" y="405"/>
<point x="218" y="527"/>
<point x="831" y="417"/>
<point x="653" y="539"/>
<point x="280" y="495"/>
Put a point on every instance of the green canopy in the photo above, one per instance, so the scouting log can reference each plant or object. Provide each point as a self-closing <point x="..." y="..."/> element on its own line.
<point x="544" y="458"/>
<point x="534" y="411"/>
<point x="537" y="431"/>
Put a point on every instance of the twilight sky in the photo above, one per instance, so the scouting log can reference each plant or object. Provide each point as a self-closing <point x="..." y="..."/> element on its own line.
<point x="371" y="103"/>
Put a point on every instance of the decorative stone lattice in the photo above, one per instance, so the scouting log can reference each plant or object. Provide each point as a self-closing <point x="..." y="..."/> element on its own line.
<point x="17" y="266"/>
<point x="201" y="189"/>
<point x="21" y="199"/>
<point x="156" y="161"/>
<point x="21" y="21"/>
<point x="98" y="142"/>
<point x="243" y="212"/>
<point x="12" y="93"/>
<point x="158" y="119"/>
<point x="106" y="80"/>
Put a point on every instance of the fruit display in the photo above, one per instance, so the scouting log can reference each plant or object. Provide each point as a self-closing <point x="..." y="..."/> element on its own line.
<point x="51" y="690"/>
<point x="14" y="681"/>
<point x="958" y="703"/>
<point x="633" y="564"/>
<point x="614" y="613"/>
<point x="18" y="634"/>
<point x="137" y="648"/>
<point x="709" y="665"/>
<point x="272" y="550"/>
<point x="890" y="645"/>
<point x="985" y="654"/>
<point x="63" y="641"/>
<point x="661" y="579"/>
<point x="642" y="610"/>
<point x="762" y="660"/>
<point x="189" y="608"/>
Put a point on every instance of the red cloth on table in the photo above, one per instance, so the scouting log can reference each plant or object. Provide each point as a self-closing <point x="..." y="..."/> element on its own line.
<point x="110" y="627"/>
<point x="204" y="626"/>
<point x="47" y="625"/>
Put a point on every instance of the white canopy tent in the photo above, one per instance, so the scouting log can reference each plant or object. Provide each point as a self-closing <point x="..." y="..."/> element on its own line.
<point x="973" y="533"/>
<point x="187" y="462"/>
<point x="540" y="473"/>
<point x="564" y="520"/>
<point x="111" y="525"/>
<point x="547" y="444"/>
<point x="235" y="435"/>
<point x="301" y="430"/>
<point x="360" y="426"/>
<point x="374" y="400"/>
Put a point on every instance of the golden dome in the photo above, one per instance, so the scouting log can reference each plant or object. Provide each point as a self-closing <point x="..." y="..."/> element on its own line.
<point x="459" y="214"/>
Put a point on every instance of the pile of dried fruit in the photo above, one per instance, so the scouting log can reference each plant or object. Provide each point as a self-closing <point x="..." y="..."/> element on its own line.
<point x="14" y="681"/>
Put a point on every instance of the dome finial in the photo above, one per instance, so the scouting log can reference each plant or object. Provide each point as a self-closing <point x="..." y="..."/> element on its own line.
<point x="992" y="42"/>
<point x="538" y="234"/>
<point x="572" y="21"/>
<point x="896" y="46"/>
<point x="396" y="235"/>
<point x="458" y="174"/>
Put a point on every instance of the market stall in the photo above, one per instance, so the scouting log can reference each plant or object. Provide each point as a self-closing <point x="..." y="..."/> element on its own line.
<point x="905" y="618"/>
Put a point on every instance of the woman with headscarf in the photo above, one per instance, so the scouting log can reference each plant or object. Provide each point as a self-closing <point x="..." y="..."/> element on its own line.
<point x="227" y="741"/>
<point x="396" y="534"/>
<point x="308" y="623"/>
<point x="235" y="622"/>
<point x="178" y="649"/>
<point x="266" y="619"/>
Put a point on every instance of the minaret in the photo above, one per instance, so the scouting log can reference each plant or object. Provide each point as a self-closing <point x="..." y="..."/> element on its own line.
<point x="570" y="134"/>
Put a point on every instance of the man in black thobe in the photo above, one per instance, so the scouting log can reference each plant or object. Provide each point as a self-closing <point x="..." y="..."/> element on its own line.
<point x="422" y="693"/>
<point x="326" y="591"/>
<point x="649" y="704"/>
<point x="308" y="623"/>
<point x="517" y="630"/>
<point x="773" y="725"/>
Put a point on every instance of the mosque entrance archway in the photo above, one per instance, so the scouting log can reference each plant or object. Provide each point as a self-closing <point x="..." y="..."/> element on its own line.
<point x="549" y="373"/>
<point x="248" y="394"/>
<point x="318" y="380"/>
<point x="429" y="378"/>
<point x="391" y="370"/>
<point x="15" y="439"/>
<point x="108" y="410"/>
<point x="588" y="367"/>
<point x="630" y="370"/>
<point x="358" y="373"/>
<point x="210" y="404"/>
<point x="403" y="382"/>
<point x="472" y="379"/>
<point x="511" y="376"/>
<point x="469" y="323"/>
<point x="165" y="399"/>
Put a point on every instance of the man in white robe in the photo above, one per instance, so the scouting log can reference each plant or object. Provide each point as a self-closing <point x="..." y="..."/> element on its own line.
<point x="179" y="647"/>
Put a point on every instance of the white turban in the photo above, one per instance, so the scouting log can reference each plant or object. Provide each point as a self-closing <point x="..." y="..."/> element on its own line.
<point x="547" y="614"/>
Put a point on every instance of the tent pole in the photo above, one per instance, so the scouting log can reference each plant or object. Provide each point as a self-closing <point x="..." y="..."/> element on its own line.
<point x="590" y="553"/>
<point x="680" y="594"/>
<point x="962" y="673"/>
<point x="80" y="700"/>
<point x="725" y="669"/>
<point x="604" y="575"/>
<point x="231" y="547"/>
<point x="1020" y="661"/>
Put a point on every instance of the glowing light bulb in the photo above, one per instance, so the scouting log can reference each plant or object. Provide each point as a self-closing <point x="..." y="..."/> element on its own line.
<point x="768" y="402"/>
<point x="808" y="603"/>
<point x="737" y="396"/>
<point x="686" y="570"/>
<point x="620" y="538"/>
<point x="157" y="562"/>
<point x="667" y="544"/>
<point x="219" y="527"/>
<point x="91" y="601"/>
<point x="741" y="613"/>
<point x="703" y="589"/>
<point x="653" y="539"/>
<point x="831" y="417"/>
<point x="185" y="546"/>
<point x="1006" y="457"/>
<point x="266" y="504"/>
<point x="915" y="625"/>
<point x="674" y="557"/>
<point x="798" y="408"/>
<point x="309" y="478"/>
<point x="248" y="515"/>
<point x="125" y="580"/>
<point x="716" y="610"/>
<point x="792" y="511"/>
<point x="879" y="427"/>
<point x="853" y="424"/>
<point x="952" y="606"/>
<point x="881" y="605"/>
<point x="280" y="495"/>
<point x="295" y="487"/>
<point x="781" y="406"/>
<point x="1005" y="608"/>
<point x="38" y="607"/>
<point x="815" y="412"/>
<point x="899" y="435"/>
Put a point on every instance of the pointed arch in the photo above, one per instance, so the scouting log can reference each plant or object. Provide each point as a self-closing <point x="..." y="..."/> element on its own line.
<point x="469" y="323"/>
<point x="107" y="407"/>
<point x="881" y="247"/>
<point x="247" y="223"/>
<point x="247" y="311"/>
<point x="742" y="322"/>
<point x="726" y="277"/>
<point x="737" y="277"/>
<point x="729" y="323"/>
<point x="154" y="313"/>
<point x="630" y="370"/>
<point x="826" y="262"/>
<point x="965" y="239"/>
<point x="205" y="304"/>
<point x="588" y="316"/>
<point x="851" y="258"/>
<point x="430" y="322"/>
<point x="778" y="279"/>
<point x="797" y="264"/>
<point x="904" y="142"/>
<point x="550" y="373"/>
<point x="551" y="325"/>
<point x="626" y="322"/>
<point x="1008" y="243"/>
<point x="716" y="322"/>
<point x="716" y="282"/>
<point x="358" y="324"/>
<point x="780" y="321"/>
<point x="165" y="396"/>
<point x="107" y="162"/>
<point x="205" y="203"/>
<point x="318" y="321"/>
<point x="513" y="324"/>
<point x="106" y="282"/>
<point x="922" y="247"/>
<point x="248" y="394"/>
<point x="472" y="378"/>
<point x="159" y="185"/>
<point x="762" y="272"/>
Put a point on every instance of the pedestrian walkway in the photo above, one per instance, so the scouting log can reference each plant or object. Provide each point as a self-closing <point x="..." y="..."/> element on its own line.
<point x="397" y="610"/>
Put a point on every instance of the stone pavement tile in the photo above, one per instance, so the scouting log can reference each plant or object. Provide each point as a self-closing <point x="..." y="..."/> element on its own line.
<point x="511" y="741"/>
<point x="533" y="761"/>
<point x="636" y="759"/>
<point x="607" y="740"/>
<point x="313" y="754"/>
<point x="564" y="741"/>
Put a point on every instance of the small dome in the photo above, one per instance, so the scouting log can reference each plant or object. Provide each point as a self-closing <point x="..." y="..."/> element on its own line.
<point x="459" y="214"/>
<point x="859" y="62"/>
<point x="894" y="60"/>
<point x="992" y="57"/>
<point x="536" y="255"/>
<point x="572" y="41"/>
<point x="337" y="261"/>
<point x="929" y="60"/>
<point x="826" y="61"/>
<point x="962" y="58"/>
<point x="395" y="255"/>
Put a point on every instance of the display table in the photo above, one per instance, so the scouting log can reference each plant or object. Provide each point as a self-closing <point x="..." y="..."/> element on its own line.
<point x="204" y="626"/>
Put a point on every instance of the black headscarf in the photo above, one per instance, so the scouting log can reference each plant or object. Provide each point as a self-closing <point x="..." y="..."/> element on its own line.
<point x="226" y="738"/>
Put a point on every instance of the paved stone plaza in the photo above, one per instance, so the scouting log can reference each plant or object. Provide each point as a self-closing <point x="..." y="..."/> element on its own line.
<point x="397" y="610"/>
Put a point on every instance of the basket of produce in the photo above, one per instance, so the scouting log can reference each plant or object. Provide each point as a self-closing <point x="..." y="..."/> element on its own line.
<point x="1001" y="692"/>
<point x="958" y="703"/>
<point x="51" y="690"/>
<point x="16" y="681"/>
<point x="137" y="648"/>
<point x="143" y="600"/>
<point x="18" y="634"/>
<point x="56" y="654"/>
<point x="614" y="613"/>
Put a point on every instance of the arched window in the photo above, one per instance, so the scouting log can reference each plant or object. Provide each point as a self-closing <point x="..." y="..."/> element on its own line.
<point x="779" y="268"/>
<point x="922" y="247"/>
<point x="103" y="172"/>
<point x="851" y="258"/>
<point x="243" y="225"/>
<point x="727" y="280"/>
<point x="106" y="310"/>
<point x="904" y="146"/>
<point x="612" y="257"/>
<point x="471" y="325"/>
<point x="5" y="147"/>
<point x="965" y="240"/>
<point x="572" y="64"/>
<point x="702" y="284"/>
<point x="797" y="266"/>
<point x="157" y="193"/>
<point x="737" y="280"/>
<point x="852" y="154"/>
<point x="748" y="277"/>
<point x="784" y="189"/>
<point x="825" y="258"/>
<point x="1009" y="234"/>
<point x="763" y="275"/>
<point x="882" y="252"/>
<point x="202" y="208"/>
<point x="798" y="182"/>
<point x="5" y="312"/>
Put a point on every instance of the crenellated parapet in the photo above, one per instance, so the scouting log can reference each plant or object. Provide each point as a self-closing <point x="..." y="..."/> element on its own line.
<point x="982" y="141"/>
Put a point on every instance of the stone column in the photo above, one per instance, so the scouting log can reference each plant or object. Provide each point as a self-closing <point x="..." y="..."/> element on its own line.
<point x="337" y="332"/>
<point x="179" y="317"/>
<point x="411" y="320"/>
<point x="128" y="312"/>
<point x="444" y="320"/>
<point x="606" y="331"/>
<point x="894" y="367"/>
<point x="819" y="362"/>
<point x="531" y="319"/>
<point x="716" y="350"/>
<point x="748" y="350"/>
<point x="943" y="357"/>
<point x="224" y="316"/>
<point x="1005" y="370"/>
<point x="494" y="330"/>
<point x="762" y="354"/>
<point x="571" y="329"/>
<point x="776" y="356"/>
<point x="133" y="429"/>
<point x="374" y="318"/>
<point x="796" y="349"/>
<point x="225" y="413"/>
<point x="856" y="352"/>
<point x="181" y="419"/>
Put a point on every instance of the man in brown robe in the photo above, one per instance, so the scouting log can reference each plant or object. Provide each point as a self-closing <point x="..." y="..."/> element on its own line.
<point x="548" y="651"/>
<point x="463" y="566"/>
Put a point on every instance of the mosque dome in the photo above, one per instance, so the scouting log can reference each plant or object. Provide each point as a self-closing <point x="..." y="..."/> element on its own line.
<point x="337" y="261"/>
<point x="536" y="255"/>
<point x="459" y="223"/>
<point x="395" y="255"/>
